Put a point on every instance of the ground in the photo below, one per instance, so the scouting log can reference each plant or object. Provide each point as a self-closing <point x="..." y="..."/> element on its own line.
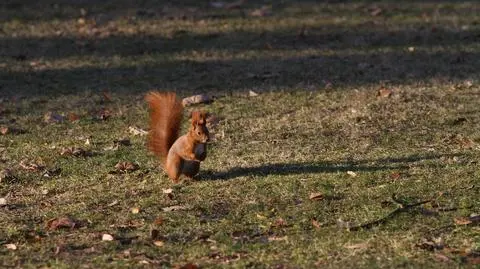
<point x="347" y="136"/>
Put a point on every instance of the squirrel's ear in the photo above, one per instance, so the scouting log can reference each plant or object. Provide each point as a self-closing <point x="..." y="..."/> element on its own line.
<point x="195" y="117"/>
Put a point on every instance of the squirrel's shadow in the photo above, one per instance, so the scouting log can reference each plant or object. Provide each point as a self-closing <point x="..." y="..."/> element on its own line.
<point x="321" y="167"/>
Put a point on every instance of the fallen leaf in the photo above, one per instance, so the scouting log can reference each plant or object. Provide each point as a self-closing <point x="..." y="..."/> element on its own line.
<point x="158" y="243"/>
<point x="252" y="93"/>
<point x="431" y="244"/>
<point x="189" y="266"/>
<point x="234" y="5"/>
<point x="384" y="92"/>
<point x="158" y="221"/>
<point x="316" y="196"/>
<point x="103" y="114"/>
<point x="462" y="221"/>
<point x="467" y="220"/>
<point x="261" y="12"/>
<point x="395" y="176"/>
<point x="137" y="131"/>
<point x="106" y="95"/>
<point x="196" y="99"/>
<point x="72" y="151"/>
<point x="279" y="223"/>
<point x="52" y="117"/>
<point x="442" y="257"/>
<point x="31" y="166"/>
<point x="135" y="210"/>
<point x="73" y="117"/>
<point x="4" y="130"/>
<point x="3" y="201"/>
<point x="107" y="237"/>
<point x="11" y="246"/>
<point x="316" y="224"/>
<point x="58" y="223"/>
<point x="167" y="191"/>
<point x="277" y="238"/>
<point x="356" y="246"/>
<point x="81" y="21"/>
<point x="261" y="216"/>
<point x="174" y="208"/>
<point x="113" y="203"/>
<point x="351" y="173"/>
<point x="375" y="11"/>
<point x="126" y="166"/>
<point x="52" y="172"/>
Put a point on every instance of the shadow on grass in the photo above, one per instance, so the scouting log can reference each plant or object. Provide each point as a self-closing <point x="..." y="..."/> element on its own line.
<point x="394" y="163"/>
<point x="349" y="55"/>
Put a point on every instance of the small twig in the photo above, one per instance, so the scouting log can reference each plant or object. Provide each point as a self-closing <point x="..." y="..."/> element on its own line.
<point x="402" y="207"/>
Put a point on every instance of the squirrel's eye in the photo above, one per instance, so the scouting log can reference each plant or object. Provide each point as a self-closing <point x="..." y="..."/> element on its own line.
<point x="198" y="132"/>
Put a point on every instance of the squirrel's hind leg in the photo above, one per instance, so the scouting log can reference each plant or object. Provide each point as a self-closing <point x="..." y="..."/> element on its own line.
<point x="173" y="167"/>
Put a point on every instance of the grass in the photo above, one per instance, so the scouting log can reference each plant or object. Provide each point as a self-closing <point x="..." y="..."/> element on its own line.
<point x="317" y="119"/>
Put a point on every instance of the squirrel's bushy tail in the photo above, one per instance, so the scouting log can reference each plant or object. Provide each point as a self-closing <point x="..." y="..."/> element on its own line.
<point x="165" y="122"/>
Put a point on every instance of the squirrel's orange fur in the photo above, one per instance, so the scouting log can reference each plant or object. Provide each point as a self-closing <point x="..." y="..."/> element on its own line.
<point x="179" y="155"/>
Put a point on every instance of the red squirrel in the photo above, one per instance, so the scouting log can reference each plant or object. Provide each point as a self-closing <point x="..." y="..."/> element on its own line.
<point x="178" y="155"/>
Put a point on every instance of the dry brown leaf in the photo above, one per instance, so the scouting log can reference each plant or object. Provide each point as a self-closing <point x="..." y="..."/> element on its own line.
<point x="252" y="93"/>
<point x="395" y="175"/>
<point x="31" y="166"/>
<point x="167" y="191"/>
<point x="107" y="237"/>
<point x="137" y="131"/>
<point x="384" y="92"/>
<point x="135" y="210"/>
<point x="174" y="208"/>
<point x="259" y="216"/>
<point x="375" y="11"/>
<point x="261" y="12"/>
<point x="11" y="246"/>
<point x="316" y="196"/>
<point x="126" y="166"/>
<point x="351" y="173"/>
<point x="441" y="257"/>
<point x="462" y="221"/>
<point x="58" y="223"/>
<point x="103" y="114"/>
<point x="234" y="5"/>
<point x="106" y="95"/>
<point x="189" y="266"/>
<point x="158" y="221"/>
<point x="467" y="220"/>
<point x="196" y="99"/>
<point x="316" y="224"/>
<point x="73" y="117"/>
<point x="158" y="243"/>
<point x="277" y="238"/>
<point x="4" y="130"/>
<point x="72" y="151"/>
<point x="279" y="223"/>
